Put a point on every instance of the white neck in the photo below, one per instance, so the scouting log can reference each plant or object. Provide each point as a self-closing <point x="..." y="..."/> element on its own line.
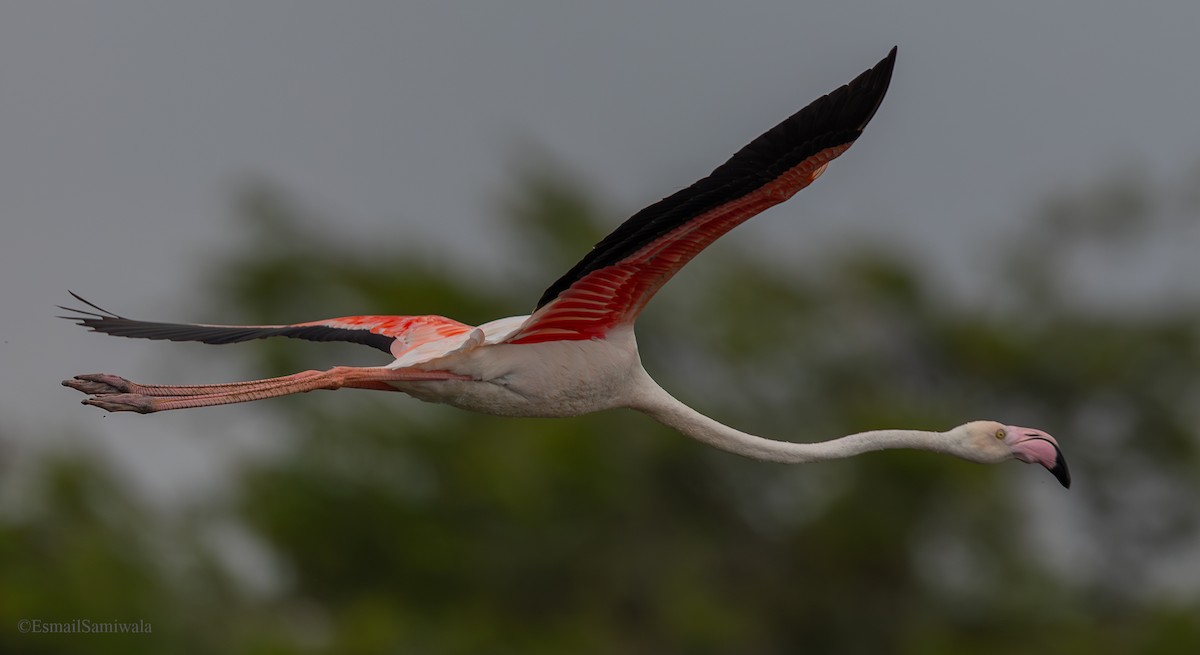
<point x="660" y="405"/>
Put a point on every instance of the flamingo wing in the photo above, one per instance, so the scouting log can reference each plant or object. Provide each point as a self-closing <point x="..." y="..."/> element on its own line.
<point x="611" y="285"/>
<point x="391" y="334"/>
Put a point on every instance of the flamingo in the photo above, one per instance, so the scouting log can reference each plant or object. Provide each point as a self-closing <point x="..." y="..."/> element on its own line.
<point x="576" y="353"/>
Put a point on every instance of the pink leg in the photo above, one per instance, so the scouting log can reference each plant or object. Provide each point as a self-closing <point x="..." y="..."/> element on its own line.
<point x="166" y="397"/>
<point x="103" y="383"/>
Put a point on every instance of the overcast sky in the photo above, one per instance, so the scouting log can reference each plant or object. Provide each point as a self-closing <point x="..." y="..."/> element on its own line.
<point x="125" y="126"/>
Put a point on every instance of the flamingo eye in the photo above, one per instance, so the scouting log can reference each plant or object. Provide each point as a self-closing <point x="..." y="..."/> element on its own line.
<point x="1000" y="433"/>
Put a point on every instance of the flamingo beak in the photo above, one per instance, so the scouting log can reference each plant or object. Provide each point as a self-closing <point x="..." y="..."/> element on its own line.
<point x="1034" y="446"/>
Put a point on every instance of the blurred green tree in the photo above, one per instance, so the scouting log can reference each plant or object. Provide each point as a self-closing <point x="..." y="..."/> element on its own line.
<point x="431" y="530"/>
<point x="76" y="547"/>
<point x="406" y="528"/>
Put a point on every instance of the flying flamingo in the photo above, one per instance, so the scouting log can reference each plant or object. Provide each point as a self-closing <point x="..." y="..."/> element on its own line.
<point x="576" y="352"/>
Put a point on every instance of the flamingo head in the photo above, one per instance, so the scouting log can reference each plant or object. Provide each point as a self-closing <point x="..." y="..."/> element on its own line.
<point x="989" y="442"/>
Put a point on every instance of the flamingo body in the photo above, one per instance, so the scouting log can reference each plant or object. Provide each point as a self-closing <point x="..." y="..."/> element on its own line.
<point x="577" y="353"/>
<point x="546" y="379"/>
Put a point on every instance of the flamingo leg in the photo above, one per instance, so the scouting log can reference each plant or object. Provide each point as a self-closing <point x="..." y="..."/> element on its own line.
<point x="116" y="394"/>
<point x="97" y="384"/>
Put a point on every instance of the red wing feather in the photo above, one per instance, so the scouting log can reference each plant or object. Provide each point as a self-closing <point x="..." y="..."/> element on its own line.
<point x="611" y="285"/>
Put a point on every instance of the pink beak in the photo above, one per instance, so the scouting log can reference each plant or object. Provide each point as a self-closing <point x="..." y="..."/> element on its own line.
<point x="1034" y="446"/>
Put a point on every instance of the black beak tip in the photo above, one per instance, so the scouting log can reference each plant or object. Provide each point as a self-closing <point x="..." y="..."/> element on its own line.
<point x="1060" y="470"/>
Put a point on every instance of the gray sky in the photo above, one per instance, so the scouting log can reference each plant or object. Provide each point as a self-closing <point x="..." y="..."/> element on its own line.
<point x="124" y="126"/>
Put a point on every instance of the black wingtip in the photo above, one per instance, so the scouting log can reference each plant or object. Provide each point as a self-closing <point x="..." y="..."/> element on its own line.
<point x="99" y="313"/>
<point x="874" y="82"/>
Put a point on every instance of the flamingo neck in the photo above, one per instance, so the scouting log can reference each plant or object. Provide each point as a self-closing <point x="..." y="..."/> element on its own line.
<point x="654" y="401"/>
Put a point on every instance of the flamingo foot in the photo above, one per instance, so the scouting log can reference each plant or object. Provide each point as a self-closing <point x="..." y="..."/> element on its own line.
<point x="99" y="384"/>
<point x="123" y="402"/>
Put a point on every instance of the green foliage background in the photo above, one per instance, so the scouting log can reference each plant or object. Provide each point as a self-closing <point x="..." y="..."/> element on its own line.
<point x="405" y="528"/>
